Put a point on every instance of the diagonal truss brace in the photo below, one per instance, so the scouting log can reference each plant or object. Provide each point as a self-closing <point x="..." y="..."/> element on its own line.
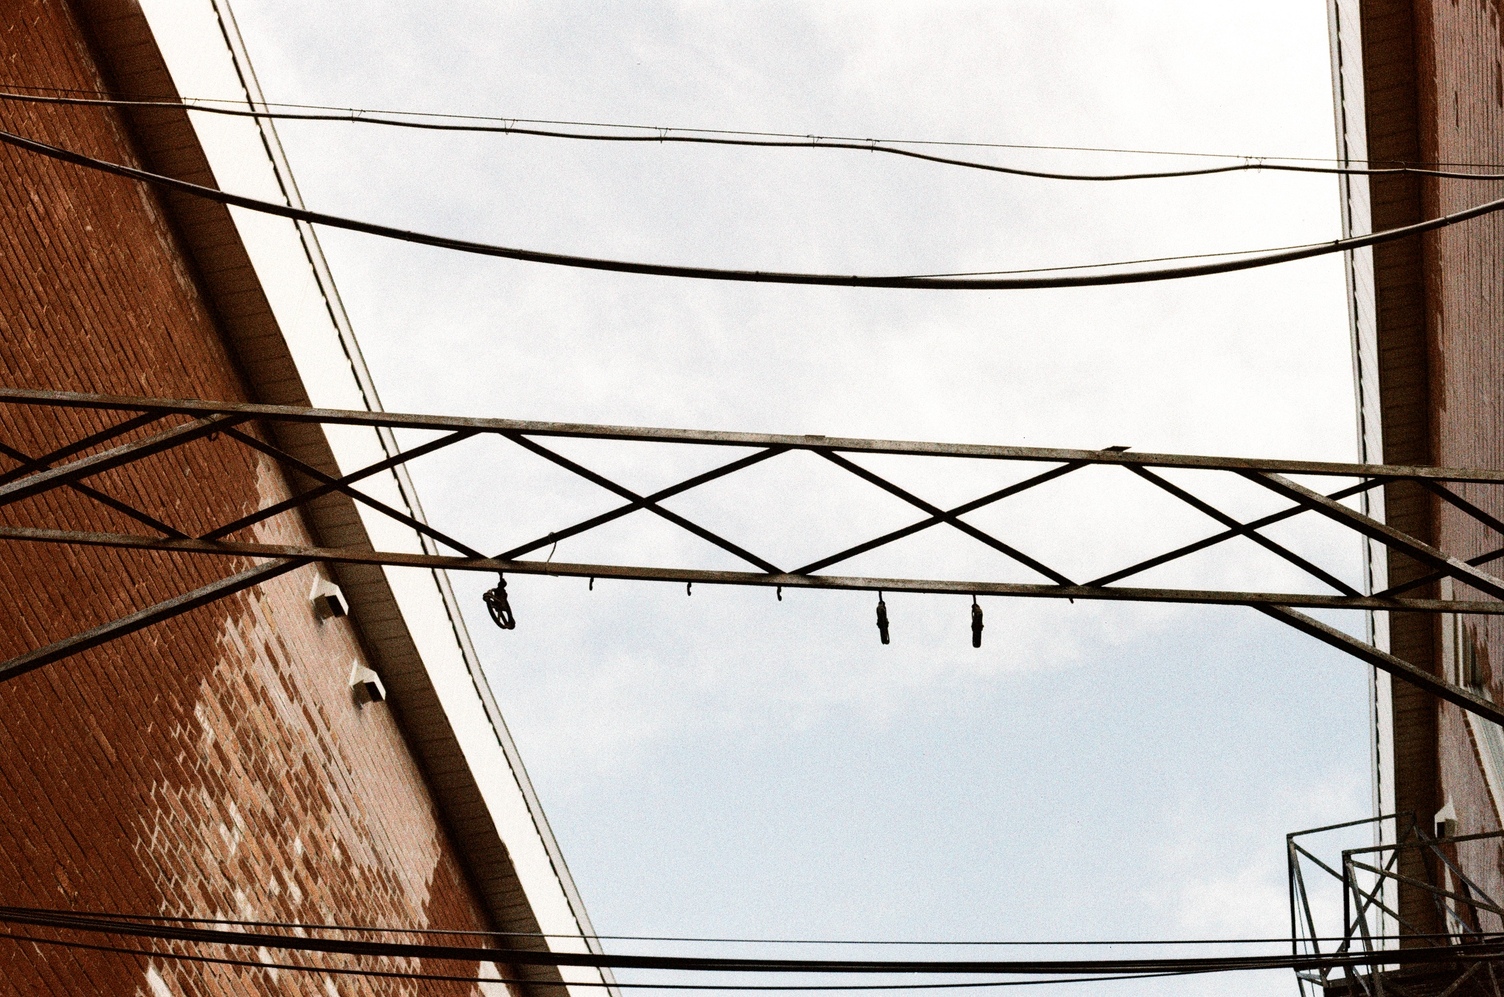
<point x="1384" y="661"/>
<point x="141" y="619"/>
<point x="1382" y="532"/>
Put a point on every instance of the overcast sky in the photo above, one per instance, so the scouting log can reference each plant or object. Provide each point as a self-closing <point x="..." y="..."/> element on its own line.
<point x="728" y="764"/>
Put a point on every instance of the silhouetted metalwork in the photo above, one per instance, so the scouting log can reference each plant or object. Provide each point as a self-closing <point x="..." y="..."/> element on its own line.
<point x="150" y="426"/>
<point x="1368" y="878"/>
<point x="499" y="607"/>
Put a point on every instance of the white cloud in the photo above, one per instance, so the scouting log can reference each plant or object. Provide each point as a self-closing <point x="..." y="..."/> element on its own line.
<point x="1247" y="902"/>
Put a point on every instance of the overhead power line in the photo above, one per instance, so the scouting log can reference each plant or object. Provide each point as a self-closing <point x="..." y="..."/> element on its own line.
<point x="346" y="971"/>
<point x="1488" y="948"/>
<point x="704" y="939"/>
<point x="638" y="134"/>
<point x="505" y="124"/>
<point x="914" y="282"/>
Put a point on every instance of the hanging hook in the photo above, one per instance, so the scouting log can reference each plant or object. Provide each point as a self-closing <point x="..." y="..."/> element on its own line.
<point x="592" y="583"/>
<point x="882" y="618"/>
<point x="780" y="593"/>
<point x="688" y="586"/>
<point x="976" y="623"/>
<point x="499" y="607"/>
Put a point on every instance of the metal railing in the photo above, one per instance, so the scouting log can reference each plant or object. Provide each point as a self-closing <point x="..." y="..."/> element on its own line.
<point x="1370" y="879"/>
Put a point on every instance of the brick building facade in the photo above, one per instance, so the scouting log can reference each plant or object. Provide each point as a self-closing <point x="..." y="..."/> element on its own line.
<point x="1422" y="82"/>
<point x="217" y="764"/>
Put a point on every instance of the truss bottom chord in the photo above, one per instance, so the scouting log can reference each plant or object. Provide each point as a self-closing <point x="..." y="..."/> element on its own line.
<point x="931" y="586"/>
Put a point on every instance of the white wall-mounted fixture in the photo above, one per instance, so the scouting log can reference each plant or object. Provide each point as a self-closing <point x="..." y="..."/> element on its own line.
<point x="327" y="598"/>
<point x="1446" y="821"/>
<point x="366" y="683"/>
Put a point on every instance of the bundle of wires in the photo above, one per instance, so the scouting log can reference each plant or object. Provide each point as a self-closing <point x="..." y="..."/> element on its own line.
<point x="1124" y="272"/>
<point x="206" y="940"/>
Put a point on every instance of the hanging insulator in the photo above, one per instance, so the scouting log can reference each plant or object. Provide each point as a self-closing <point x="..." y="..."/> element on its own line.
<point x="499" y="607"/>
<point x="976" y="623"/>
<point x="882" y="618"/>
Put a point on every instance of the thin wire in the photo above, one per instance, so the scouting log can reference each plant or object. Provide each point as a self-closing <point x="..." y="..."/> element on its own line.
<point x="441" y="978"/>
<point x="914" y="282"/>
<point x="349" y="113"/>
<point x="702" y="137"/>
<point x="468" y="932"/>
<point x="1222" y="254"/>
<point x="523" y="957"/>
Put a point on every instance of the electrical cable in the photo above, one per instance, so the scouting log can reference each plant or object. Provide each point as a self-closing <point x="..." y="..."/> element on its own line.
<point x="914" y="282"/>
<point x="505" y="124"/>
<point x="525" y="957"/>
<point x="442" y="978"/>
<point x="710" y="940"/>
<point x="666" y="135"/>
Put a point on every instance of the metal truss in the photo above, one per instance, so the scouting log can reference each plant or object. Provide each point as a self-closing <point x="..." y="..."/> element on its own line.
<point x="1465" y="910"/>
<point x="151" y="426"/>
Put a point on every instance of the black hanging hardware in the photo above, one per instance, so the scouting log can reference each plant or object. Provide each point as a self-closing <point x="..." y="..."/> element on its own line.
<point x="499" y="607"/>
<point x="688" y="588"/>
<point x="882" y="618"/>
<point x="592" y="583"/>
<point x="780" y="593"/>
<point x="976" y="623"/>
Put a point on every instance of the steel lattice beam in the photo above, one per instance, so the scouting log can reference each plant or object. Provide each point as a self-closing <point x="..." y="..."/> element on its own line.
<point x="66" y="467"/>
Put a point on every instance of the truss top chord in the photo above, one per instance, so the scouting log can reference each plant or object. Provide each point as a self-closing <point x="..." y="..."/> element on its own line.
<point x="393" y="420"/>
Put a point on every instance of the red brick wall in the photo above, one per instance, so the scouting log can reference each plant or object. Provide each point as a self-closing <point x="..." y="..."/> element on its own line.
<point x="215" y="764"/>
<point x="1400" y="347"/>
<point x="1460" y="67"/>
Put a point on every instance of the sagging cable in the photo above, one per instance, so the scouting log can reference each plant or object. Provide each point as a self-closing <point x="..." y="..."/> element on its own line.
<point x="970" y="281"/>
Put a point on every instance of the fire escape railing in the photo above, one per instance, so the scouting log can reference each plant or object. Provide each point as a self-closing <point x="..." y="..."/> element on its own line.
<point x="1369" y="879"/>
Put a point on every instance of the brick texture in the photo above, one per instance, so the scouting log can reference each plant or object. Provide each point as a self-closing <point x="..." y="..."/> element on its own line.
<point x="1459" y="56"/>
<point x="1391" y="85"/>
<point x="214" y="765"/>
